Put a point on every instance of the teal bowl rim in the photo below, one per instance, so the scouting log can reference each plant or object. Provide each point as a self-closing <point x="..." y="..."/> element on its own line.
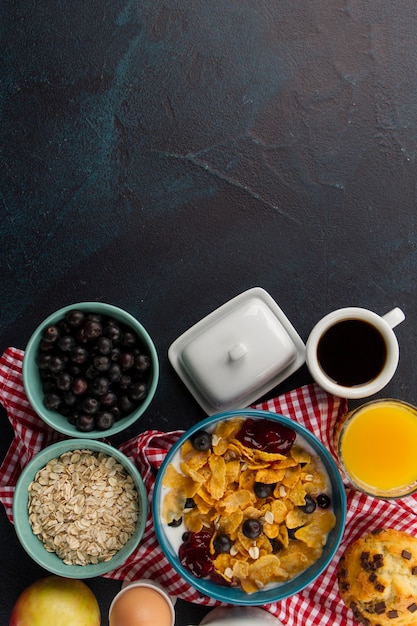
<point x="34" y="547"/>
<point x="234" y="595"/>
<point x="29" y="370"/>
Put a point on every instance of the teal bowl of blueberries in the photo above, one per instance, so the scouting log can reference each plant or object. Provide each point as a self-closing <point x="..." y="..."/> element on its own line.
<point x="249" y="507"/>
<point x="90" y="369"/>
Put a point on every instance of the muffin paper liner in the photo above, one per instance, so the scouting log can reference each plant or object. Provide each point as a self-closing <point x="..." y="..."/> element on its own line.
<point x="319" y="603"/>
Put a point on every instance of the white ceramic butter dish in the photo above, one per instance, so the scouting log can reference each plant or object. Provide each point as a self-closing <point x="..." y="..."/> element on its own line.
<point x="238" y="352"/>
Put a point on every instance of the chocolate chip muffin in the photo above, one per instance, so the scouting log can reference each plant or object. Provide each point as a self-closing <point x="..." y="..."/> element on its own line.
<point x="378" y="578"/>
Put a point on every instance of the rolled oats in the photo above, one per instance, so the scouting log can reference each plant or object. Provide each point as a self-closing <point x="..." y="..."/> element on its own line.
<point x="83" y="506"/>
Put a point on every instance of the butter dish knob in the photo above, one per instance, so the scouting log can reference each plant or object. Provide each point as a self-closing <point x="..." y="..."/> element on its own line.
<point x="237" y="352"/>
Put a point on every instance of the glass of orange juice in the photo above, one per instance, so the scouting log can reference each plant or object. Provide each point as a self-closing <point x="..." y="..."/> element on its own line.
<point x="377" y="448"/>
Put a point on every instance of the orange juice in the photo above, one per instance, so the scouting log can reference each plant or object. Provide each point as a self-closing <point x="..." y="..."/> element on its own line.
<point x="378" y="448"/>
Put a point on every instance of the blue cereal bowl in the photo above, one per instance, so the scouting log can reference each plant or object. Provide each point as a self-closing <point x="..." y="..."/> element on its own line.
<point x="172" y="535"/>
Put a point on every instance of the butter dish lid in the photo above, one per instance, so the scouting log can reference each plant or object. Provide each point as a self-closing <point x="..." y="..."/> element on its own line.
<point x="237" y="353"/>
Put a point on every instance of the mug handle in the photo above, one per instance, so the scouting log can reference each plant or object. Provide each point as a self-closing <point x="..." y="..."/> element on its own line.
<point x="394" y="317"/>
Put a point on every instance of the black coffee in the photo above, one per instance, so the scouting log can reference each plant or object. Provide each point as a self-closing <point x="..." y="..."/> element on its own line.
<point x="352" y="352"/>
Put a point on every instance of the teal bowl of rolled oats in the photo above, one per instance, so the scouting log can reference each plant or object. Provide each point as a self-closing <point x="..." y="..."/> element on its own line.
<point x="80" y="508"/>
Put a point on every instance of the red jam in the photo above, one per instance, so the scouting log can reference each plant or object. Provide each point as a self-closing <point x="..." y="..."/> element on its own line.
<point x="194" y="554"/>
<point x="266" y="435"/>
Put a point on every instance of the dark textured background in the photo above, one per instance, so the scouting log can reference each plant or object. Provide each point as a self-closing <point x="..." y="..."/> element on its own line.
<point x="164" y="156"/>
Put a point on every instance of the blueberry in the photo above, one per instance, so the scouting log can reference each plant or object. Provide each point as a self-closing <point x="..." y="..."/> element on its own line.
<point x="116" y="412"/>
<point x="91" y="372"/>
<point x="80" y="336"/>
<point x="125" y="405"/>
<point x="65" y="410"/>
<point x="100" y="385"/>
<point x="142" y="363"/>
<point x="129" y="339"/>
<point x="45" y="346"/>
<point x="43" y="360"/>
<point x="90" y="405"/>
<point x="72" y="417"/>
<point x="109" y="399"/>
<point x="276" y="545"/>
<point x="222" y="544"/>
<point x="104" y="420"/>
<point x="92" y="329"/>
<point x="75" y="318"/>
<point x="137" y="391"/>
<point x="175" y="522"/>
<point x="114" y="373"/>
<point x="263" y="490"/>
<point x="104" y="345"/>
<point x="115" y="355"/>
<point x="79" y="386"/>
<point x="56" y="364"/>
<point x="310" y="504"/>
<point x="251" y="528"/>
<point x="66" y="343"/>
<point x="102" y="363"/>
<point x="125" y="381"/>
<point x="85" y="423"/>
<point x="52" y="401"/>
<point x="95" y="317"/>
<point x="126" y="360"/>
<point x="79" y="355"/>
<point x="113" y="332"/>
<point x="64" y="327"/>
<point x="51" y="334"/>
<point x="292" y="531"/>
<point x="189" y="504"/>
<point x="63" y="381"/>
<point x="201" y="441"/>
<point x="69" y="398"/>
<point x="323" y="501"/>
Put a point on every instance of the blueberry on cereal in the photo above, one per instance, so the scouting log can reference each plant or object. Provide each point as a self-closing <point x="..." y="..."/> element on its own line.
<point x="201" y="441"/>
<point x="222" y="544"/>
<point x="310" y="504"/>
<point x="323" y="501"/>
<point x="251" y="528"/>
<point x="263" y="490"/>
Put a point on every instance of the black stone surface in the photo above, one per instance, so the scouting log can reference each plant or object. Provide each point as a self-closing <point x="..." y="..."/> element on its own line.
<point x="166" y="156"/>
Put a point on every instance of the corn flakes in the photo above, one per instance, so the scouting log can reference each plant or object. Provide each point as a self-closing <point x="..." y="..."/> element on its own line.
<point x="285" y="537"/>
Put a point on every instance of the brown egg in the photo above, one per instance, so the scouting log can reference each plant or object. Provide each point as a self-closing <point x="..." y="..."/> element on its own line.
<point x="140" y="606"/>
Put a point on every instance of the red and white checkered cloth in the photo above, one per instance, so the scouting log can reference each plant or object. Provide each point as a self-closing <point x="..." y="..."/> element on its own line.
<point x="318" y="604"/>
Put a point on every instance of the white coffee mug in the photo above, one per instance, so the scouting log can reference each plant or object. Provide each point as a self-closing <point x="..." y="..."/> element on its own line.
<point x="352" y="352"/>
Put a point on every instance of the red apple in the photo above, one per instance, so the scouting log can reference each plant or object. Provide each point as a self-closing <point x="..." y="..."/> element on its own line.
<point x="55" y="601"/>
